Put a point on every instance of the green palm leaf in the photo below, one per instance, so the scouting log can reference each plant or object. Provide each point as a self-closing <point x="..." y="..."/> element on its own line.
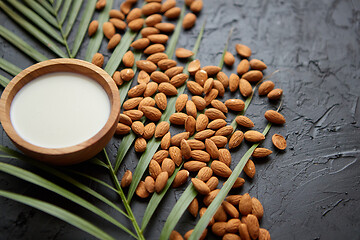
<point x="97" y="38"/>
<point x="74" y="11"/>
<point x="47" y="6"/>
<point x="41" y="11"/>
<point x="57" y="6"/>
<point x="21" y="45"/>
<point x="83" y="26"/>
<point x="9" y="67"/>
<point x="4" y="81"/>
<point x="59" y="213"/>
<point x="32" y="30"/>
<point x="64" y="11"/>
<point x="170" y="50"/>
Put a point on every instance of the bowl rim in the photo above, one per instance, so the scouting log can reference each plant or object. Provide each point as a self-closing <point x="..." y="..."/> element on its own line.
<point x="70" y="65"/>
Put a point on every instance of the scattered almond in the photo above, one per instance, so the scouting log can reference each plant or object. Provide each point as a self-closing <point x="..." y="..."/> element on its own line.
<point x="93" y="26"/>
<point x="279" y="141"/>
<point x="275" y="94"/>
<point x="98" y="59"/>
<point x="244" y="121"/>
<point x="109" y="30"/>
<point x="194" y="207"/>
<point x="243" y="67"/>
<point x="149" y="130"/>
<point x="243" y="50"/>
<point x="266" y="87"/>
<point x="200" y="186"/>
<point x="194" y="166"/>
<point x="253" y="75"/>
<point x="141" y="190"/>
<point x="205" y="174"/>
<point x="175" y="155"/>
<point x="180" y="178"/>
<point x="236" y="139"/>
<point x="274" y="117"/>
<point x="189" y="21"/>
<point x="126" y="179"/>
<point x="250" y="169"/>
<point x="149" y="184"/>
<point x="245" y="88"/>
<point x="178" y="118"/>
<point x="261" y="152"/>
<point x="254" y="136"/>
<point x="235" y="104"/>
<point x="220" y="169"/>
<point x="168" y="166"/>
<point x="257" y="64"/>
<point x="161" y="181"/>
<point x="245" y="204"/>
<point x="234" y="81"/>
<point x="183" y="53"/>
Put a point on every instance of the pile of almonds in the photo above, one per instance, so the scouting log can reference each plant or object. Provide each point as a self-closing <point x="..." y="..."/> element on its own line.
<point x="154" y="35"/>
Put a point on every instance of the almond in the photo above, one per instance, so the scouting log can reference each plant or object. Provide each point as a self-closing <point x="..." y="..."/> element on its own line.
<point x="152" y="20"/>
<point x="178" y="118"/>
<point x="168" y="166"/>
<point x="212" y="183"/>
<point x="200" y="102"/>
<point x="200" y="155"/>
<point x="250" y="169"/>
<point x="200" y="186"/>
<point x="185" y="149"/>
<point x="161" y="129"/>
<point x="257" y="208"/>
<point x="204" y="174"/>
<point x="175" y="155"/>
<point x="122" y="129"/>
<point x="134" y="114"/>
<point x="257" y="64"/>
<point x="191" y="108"/>
<point x="243" y="67"/>
<point x="261" y="152"/>
<point x="210" y="197"/>
<point x="149" y="130"/>
<point x="150" y="184"/>
<point x="252" y="224"/>
<point x="231" y="236"/>
<point x="245" y="88"/>
<point x="126" y="179"/>
<point x="253" y="75"/>
<point x="254" y="136"/>
<point x="275" y="94"/>
<point x="188" y="233"/>
<point x="165" y="141"/>
<point x="221" y="76"/>
<point x="176" y="139"/>
<point x="157" y="57"/>
<point x="159" y="77"/>
<point x="194" y="166"/>
<point x="140" y="44"/>
<point x="211" y="70"/>
<point x="208" y="85"/>
<point x="216" y="124"/>
<point x="274" y="117"/>
<point x="128" y="59"/>
<point x="125" y="119"/>
<point x="151" y="89"/>
<point x="229" y="59"/>
<point x="134" y="13"/>
<point x="161" y="101"/>
<point x="166" y="64"/>
<point x="236" y="139"/>
<point x="196" y="144"/>
<point x="245" y="205"/>
<point x="141" y="190"/>
<point x="279" y="141"/>
<point x="225" y="156"/>
<point x="160" y="155"/>
<point x="196" y="6"/>
<point x="137" y="90"/>
<point x="220" y="215"/>
<point x="201" y="122"/>
<point x="232" y="226"/>
<point x="233" y="82"/>
<point x="127" y="74"/>
<point x="145" y="32"/>
<point x="239" y="182"/>
<point x="113" y="13"/>
<point x="158" y="38"/>
<point x="154" y="169"/>
<point x="180" y="178"/>
<point x="219" y="105"/>
<point x="220" y="87"/>
<point x="145" y="65"/>
<point x="243" y="50"/>
<point x="118" y="24"/>
<point x="201" y="76"/>
<point x="151" y="8"/>
<point x="168" y="89"/>
<point x="235" y="104"/>
<point x="189" y="21"/>
<point x="195" y="88"/>
<point x="266" y="87"/>
<point x="165" y="27"/>
<point x="220" y="169"/>
<point x="244" y="121"/>
<point x="147" y="101"/>
<point x="143" y="77"/>
<point x="264" y="234"/>
<point x="219" y="228"/>
<point x="117" y="78"/>
<point x="173" y="13"/>
<point x="234" y="199"/>
<point x="93" y="26"/>
<point x="132" y="103"/>
<point x="161" y="181"/>
<point x="152" y="113"/>
<point x="202" y="212"/>
<point x="220" y="141"/>
<point x="136" y="25"/>
<point x="183" y="53"/>
<point x="202" y="135"/>
<point x="167" y="5"/>
<point x="213" y="113"/>
<point x="108" y="29"/>
<point x="181" y="102"/>
<point x="244" y="233"/>
<point x="125" y="7"/>
<point x="98" y="59"/>
<point x="211" y="96"/>
<point x="179" y="79"/>
<point x="138" y="128"/>
<point x="194" y="66"/>
<point x="155" y="48"/>
<point x="212" y="149"/>
<point x="193" y="208"/>
<point x="224" y="131"/>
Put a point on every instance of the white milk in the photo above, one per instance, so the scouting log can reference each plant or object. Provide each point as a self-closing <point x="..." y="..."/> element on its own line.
<point x="59" y="110"/>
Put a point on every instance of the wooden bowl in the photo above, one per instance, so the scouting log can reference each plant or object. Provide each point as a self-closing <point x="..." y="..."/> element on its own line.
<point x="66" y="155"/>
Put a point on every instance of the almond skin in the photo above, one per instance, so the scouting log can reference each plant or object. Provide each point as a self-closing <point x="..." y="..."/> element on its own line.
<point x="135" y="13"/>
<point x="137" y="90"/>
<point x="213" y="113"/>
<point x="200" y="102"/>
<point x="275" y="94"/>
<point x="118" y="24"/>
<point x="185" y="149"/>
<point x="149" y="130"/>
<point x="250" y="169"/>
<point x="175" y="236"/>
<point x="158" y="38"/>
<point x="232" y="226"/>
<point x="205" y="174"/>
<point x="126" y="179"/>
<point x="219" y="105"/>
<point x="151" y="89"/>
<point x="152" y="113"/>
<point x="202" y="135"/>
<point x="145" y="65"/>
<point x="253" y="75"/>
<point x="132" y="103"/>
<point x="165" y="27"/>
<point x="200" y="186"/>
<point x="266" y="87"/>
<point x="178" y="118"/>
<point x="189" y="21"/>
<point x="279" y="141"/>
<point x="254" y="136"/>
<point x="149" y="184"/>
<point x="211" y="96"/>
<point x="220" y="87"/>
<point x="122" y="129"/>
<point x="160" y="155"/>
<point x="98" y="59"/>
<point x="233" y="213"/>
<point x="200" y="155"/>
<point x="140" y="44"/>
<point x="195" y="88"/>
<point x="243" y="67"/>
<point x="234" y="82"/>
<point x="179" y="79"/>
<point x="143" y="77"/>
<point x="117" y="78"/>
<point x="225" y="156"/>
<point x="211" y="70"/>
<point x="201" y="122"/>
<point x="168" y="166"/>
<point x="145" y="32"/>
<point x="229" y="59"/>
<point x="236" y="139"/>
<point x="220" y="215"/>
<point x="261" y="152"/>
<point x="201" y="76"/>
<point x="176" y="139"/>
<point x="244" y="121"/>
<point x="224" y="131"/>
<point x="138" y="128"/>
<point x="166" y="64"/>
<point x="166" y="141"/>
<point x="196" y="6"/>
<point x="252" y="224"/>
<point x="167" y="5"/>
<point x="212" y="183"/>
<point x="243" y="50"/>
<point x="275" y="117"/>
<point x="220" y="169"/>
<point x="155" y="48"/>
<point x="219" y="228"/>
<point x="220" y="141"/>
<point x="151" y="8"/>
<point x="216" y="124"/>
<point x="161" y="101"/>
<point x="245" y="204"/>
<point x="134" y="114"/>
<point x="212" y="149"/>
<point x="257" y="208"/>
<point x="221" y="76"/>
<point x="181" y="102"/>
<point x="127" y="74"/>
<point x="180" y="178"/>
<point x="194" y="207"/>
<point x="141" y="190"/>
<point x="152" y="20"/>
<point x="183" y="53"/>
<point x="157" y="57"/>
<point x="264" y="234"/>
<point x="239" y="182"/>
<point x="128" y="59"/>
<point x="109" y="30"/>
<point x="194" y="166"/>
<point x="113" y="13"/>
<point x="257" y="64"/>
<point x="93" y="26"/>
<point x="245" y="88"/>
<point x="194" y="66"/>
<point x="175" y="155"/>
<point x="210" y="197"/>
<point x="244" y="233"/>
<point x="147" y="101"/>
<point x="235" y="104"/>
<point x="125" y="7"/>
<point x="233" y="199"/>
<point x="168" y="89"/>
<point x="125" y="119"/>
<point x="161" y="129"/>
<point x="196" y="144"/>
<point x="161" y="181"/>
<point x="190" y="125"/>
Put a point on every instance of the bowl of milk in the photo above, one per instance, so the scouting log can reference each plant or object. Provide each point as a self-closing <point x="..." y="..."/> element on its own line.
<point x="60" y="111"/>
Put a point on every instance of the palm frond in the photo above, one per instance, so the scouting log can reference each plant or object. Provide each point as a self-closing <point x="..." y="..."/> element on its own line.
<point x="4" y="81"/>
<point x="41" y="11"/>
<point x="57" y="6"/>
<point x="171" y="47"/>
<point x="64" y="11"/>
<point x="47" y="6"/>
<point x="9" y="67"/>
<point x="74" y="11"/>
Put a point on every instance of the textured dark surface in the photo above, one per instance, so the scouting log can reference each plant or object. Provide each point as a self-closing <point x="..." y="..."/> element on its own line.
<point x="309" y="191"/>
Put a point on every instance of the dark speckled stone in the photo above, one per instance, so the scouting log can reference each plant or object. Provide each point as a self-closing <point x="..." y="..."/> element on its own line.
<point x="309" y="191"/>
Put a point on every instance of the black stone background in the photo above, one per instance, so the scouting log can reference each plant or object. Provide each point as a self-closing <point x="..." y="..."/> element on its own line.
<point x="309" y="191"/>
